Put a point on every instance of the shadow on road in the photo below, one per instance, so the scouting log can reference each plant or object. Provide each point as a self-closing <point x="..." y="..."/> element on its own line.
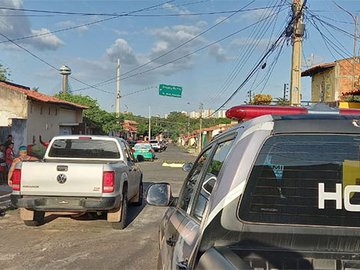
<point x="133" y="211"/>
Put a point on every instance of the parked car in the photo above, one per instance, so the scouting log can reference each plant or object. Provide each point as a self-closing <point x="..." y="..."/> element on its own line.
<point x="163" y="145"/>
<point x="156" y="145"/>
<point x="79" y="174"/>
<point x="274" y="192"/>
<point x="143" y="151"/>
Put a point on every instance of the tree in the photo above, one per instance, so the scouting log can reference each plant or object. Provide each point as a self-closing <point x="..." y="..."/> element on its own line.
<point x="4" y="73"/>
<point x="262" y="99"/>
<point x="104" y="120"/>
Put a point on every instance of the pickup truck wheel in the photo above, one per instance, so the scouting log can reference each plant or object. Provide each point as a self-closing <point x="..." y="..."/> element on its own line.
<point x="140" y="195"/>
<point x="123" y="222"/>
<point x="37" y="220"/>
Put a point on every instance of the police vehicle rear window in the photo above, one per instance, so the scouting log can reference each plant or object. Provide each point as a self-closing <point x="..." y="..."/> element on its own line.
<point x="305" y="179"/>
<point x="77" y="148"/>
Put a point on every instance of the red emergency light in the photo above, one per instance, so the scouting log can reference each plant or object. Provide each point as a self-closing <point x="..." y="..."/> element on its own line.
<point x="246" y="112"/>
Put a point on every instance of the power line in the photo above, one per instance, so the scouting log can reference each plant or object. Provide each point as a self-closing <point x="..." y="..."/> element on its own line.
<point x="86" y="24"/>
<point x="257" y="34"/>
<point x="48" y="13"/>
<point x="272" y="48"/>
<point x="172" y="50"/>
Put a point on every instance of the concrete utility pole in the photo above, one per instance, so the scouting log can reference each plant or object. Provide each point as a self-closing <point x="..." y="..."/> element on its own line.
<point x="200" y="141"/>
<point x="118" y="89"/>
<point x="149" y="123"/>
<point x="355" y="18"/>
<point x="297" y="35"/>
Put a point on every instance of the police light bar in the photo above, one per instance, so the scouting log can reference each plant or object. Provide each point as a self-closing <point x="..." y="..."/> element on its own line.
<point x="246" y="112"/>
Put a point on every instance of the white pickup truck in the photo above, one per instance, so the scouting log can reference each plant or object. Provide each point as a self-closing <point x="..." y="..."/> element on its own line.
<point x="78" y="174"/>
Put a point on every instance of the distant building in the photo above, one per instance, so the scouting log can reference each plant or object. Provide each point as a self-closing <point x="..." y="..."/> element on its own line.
<point x="329" y="81"/>
<point x="207" y="113"/>
<point x="27" y="114"/>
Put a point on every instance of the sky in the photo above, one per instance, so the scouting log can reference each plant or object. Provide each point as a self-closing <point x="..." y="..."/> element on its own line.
<point x="216" y="50"/>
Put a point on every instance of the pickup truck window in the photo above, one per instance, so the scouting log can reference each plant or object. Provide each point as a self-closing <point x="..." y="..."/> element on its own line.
<point x="210" y="178"/>
<point x="192" y="179"/>
<point x="75" y="148"/>
<point x="304" y="179"/>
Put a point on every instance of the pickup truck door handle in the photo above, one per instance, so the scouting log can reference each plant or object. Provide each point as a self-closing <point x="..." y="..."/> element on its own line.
<point x="171" y="241"/>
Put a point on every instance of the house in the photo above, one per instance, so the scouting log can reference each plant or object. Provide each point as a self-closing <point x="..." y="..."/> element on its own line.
<point x="28" y="114"/>
<point x="205" y="135"/>
<point x="129" y="130"/>
<point x="329" y="81"/>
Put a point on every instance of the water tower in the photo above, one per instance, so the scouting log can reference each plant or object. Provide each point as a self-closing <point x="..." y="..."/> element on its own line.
<point x="65" y="71"/>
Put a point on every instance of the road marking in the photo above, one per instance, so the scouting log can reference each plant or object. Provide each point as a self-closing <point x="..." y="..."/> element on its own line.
<point x="173" y="165"/>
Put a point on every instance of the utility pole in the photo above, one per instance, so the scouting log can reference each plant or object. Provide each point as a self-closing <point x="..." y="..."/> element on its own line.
<point x="355" y="18"/>
<point x="297" y="36"/>
<point x="285" y="91"/>
<point x="149" y="123"/>
<point x="200" y="141"/>
<point x="250" y="96"/>
<point x="118" y="89"/>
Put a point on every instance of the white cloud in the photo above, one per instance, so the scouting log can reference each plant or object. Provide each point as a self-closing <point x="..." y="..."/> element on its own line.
<point x="256" y="15"/>
<point x="260" y="43"/>
<point x="173" y="8"/>
<point x="69" y="24"/>
<point x="218" y="53"/>
<point x="45" y="40"/>
<point x="222" y="19"/>
<point x="122" y="50"/>
<point x="18" y="27"/>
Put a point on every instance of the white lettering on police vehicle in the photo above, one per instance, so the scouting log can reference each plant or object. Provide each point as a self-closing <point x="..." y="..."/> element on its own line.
<point x="337" y="196"/>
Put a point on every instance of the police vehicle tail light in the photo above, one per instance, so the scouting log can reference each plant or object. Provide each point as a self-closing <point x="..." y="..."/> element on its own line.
<point x="246" y="112"/>
<point x="108" y="181"/>
<point x="16" y="180"/>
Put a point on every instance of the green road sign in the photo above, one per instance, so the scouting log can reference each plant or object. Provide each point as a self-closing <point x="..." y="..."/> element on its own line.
<point x="170" y="90"/>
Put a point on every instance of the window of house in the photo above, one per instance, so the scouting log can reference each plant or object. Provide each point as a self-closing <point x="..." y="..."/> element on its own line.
<point x="41" y="110"/>
<point x="49" y="110"/>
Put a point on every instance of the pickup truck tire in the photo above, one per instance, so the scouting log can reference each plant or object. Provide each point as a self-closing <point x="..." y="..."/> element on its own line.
<point x="123" y="221"/>
<point x="37" y="220"/>
<point x="139" y="197"/>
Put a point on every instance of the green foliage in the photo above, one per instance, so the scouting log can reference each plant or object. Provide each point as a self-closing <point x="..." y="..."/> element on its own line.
<point x="4" y="73"/>
<point x="104" y="120"/>
<point x="351" y="98"/>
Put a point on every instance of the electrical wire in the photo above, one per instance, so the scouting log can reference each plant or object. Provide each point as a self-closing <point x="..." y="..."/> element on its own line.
<point x="274" y="45"/>
<point x="86" y="24"/>
<point x="117" y="14"/>
<point x="173" y="49"/>
<point x="257" y="34"/>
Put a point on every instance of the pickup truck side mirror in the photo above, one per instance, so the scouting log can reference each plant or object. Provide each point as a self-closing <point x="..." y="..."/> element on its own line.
<point x="159" y="195"/>
<point x="187" y="166"/>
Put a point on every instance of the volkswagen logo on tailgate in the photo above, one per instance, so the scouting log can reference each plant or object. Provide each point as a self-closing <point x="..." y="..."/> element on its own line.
<point x="61" y="178"/>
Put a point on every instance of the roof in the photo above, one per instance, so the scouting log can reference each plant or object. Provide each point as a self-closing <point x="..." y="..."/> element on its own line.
<point x="318" y="68"/>
<point x="31" y="94"/>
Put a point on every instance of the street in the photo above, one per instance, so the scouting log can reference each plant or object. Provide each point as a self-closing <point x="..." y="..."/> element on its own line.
<point x="88" y="242"/>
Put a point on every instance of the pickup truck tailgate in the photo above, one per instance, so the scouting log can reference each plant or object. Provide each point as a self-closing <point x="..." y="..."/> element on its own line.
<point x="61" y="179"/>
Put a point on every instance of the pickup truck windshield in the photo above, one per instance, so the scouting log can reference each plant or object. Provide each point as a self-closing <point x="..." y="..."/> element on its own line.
<point x="76" y="148"/>
<point x="302" y="179"/>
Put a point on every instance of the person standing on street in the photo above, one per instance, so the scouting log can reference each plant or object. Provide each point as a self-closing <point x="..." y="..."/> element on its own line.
<point x="23" y="155"/>
<point x="8" y="141"/>
<point x="9" y="155"/>
<point x="2" y="165"/>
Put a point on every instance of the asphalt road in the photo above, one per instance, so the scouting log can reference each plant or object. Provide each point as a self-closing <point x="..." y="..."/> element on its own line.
<point x="91" y="243"/>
